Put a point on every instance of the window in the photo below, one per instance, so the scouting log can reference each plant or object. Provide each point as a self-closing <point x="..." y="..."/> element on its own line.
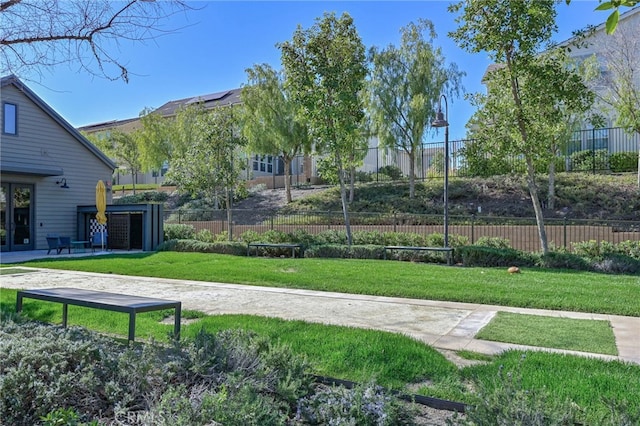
<point x="10" y="119"/>
<point x="263" y="163"/>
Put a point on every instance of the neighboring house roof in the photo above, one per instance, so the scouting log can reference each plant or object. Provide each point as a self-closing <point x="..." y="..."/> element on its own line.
<point x="211" y="100"/>
<point x="15" y="81"/>
<point x="169" y="109"/>
<point x="106" y="125"/>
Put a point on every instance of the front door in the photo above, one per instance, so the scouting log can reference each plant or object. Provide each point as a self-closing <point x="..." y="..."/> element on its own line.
<point x="16" y="217"/>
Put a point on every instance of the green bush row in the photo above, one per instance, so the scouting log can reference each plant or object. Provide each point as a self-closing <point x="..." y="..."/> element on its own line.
<point x="621" y="258"/>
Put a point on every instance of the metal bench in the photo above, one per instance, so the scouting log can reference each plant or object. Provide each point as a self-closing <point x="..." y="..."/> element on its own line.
<point x="291" y="246"/>
<point x="103" y="300"/>
<point x="447" y="250"/>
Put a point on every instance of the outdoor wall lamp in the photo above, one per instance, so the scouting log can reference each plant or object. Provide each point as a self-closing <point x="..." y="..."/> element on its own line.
<point x="62" y="182"/>
<point x="442" y="120"/>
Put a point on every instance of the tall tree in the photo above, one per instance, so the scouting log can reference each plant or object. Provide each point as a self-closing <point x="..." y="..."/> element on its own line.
<point x="619" y="88"/>
<point x="405" y="84"/>
<point x="209" y="164"/>
<point x="269" y="120"/>
<point x="38" y="34"/>
<point x="123" y="148"/>
<point x="513" y="33"/>
<point x="325" y="69"/>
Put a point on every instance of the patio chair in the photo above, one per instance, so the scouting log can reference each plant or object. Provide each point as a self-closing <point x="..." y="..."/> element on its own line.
<point x="58" y="243"/>
<point x="97" y="241"/>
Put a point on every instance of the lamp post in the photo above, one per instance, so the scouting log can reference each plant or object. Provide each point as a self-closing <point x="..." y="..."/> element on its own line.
<point x="442" y="120"/>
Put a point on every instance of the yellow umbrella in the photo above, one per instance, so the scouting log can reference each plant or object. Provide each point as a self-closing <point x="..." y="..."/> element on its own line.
<point x="101" y="202"/>
<point x="101" y="205"/>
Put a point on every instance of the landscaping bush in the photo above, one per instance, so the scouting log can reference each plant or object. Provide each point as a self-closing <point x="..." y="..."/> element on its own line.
<point x="490" y="257"/>
<point x="495" y="242"/>
<point x="143" y="198"/>
<point x="564" y="260"/>
<point x="595" y="250"/>
<point x="613" y="263"/>
<point x="70" y="376"/>
<point x="178" y="231"/>
<point x="393" y="172"/>
<point x="221" y="247"/>
<point x="624" y="162"/>
<point x="588" y="160"/>
<point x="343" y="251"/>
<point x="363" y="405"/>
<point x="331" y="236"/>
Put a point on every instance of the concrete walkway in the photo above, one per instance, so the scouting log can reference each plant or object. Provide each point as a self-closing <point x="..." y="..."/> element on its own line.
<point x="444" y="325"/>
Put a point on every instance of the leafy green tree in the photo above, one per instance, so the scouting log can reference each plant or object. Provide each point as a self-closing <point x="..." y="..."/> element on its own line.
<point x="269" y="120"/>
<point x="513" y="33"/>
<point x="209" y="163"/>
<point x="157" y="139"/>
<point x="325" y="69"/>
<point x="123" y="148"/>
<point x="619" y="87"/>
<point x="405" y="83"/>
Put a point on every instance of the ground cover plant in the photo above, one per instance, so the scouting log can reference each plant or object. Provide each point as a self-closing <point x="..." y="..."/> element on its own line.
<point x="551" y="332"/>
<point x="533" y="288"/>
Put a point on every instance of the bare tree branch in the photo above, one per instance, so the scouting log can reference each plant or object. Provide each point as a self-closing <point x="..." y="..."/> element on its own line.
<point x="39" y="34"/>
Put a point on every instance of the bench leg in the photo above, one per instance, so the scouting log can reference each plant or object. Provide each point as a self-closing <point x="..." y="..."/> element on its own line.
<point x="176" y="324"/>
<point x="132" y="326"/>
<point x="19" y="303"/>
<point x="65" y="311"/>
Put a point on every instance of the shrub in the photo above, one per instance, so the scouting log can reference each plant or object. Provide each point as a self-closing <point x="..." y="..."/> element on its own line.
<point x="331" y="236"/>
<point x="68" y="376"/>
<point x="562" y="260"/>
<point x="340" y="251"/>
<point x="624" y="162"/>
<point x="368" y="237"/>
<point x="143" y="198"/>
<point x="393" y="172"/>
<point x="617" y="264"/>
<point x="178" y="231"/>
<point x="221" y="247"/>
<point x="590" y="160"/>
<point x="364" y="405"/>
<point x="495" y="242"/>
<point x="489" y="256"/>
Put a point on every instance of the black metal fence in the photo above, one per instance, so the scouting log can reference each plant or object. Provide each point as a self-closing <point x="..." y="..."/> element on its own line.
<point x="594" y="151"/>
<point x="522" y="233"/>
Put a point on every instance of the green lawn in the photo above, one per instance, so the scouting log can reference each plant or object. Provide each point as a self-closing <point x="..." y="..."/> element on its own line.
<point x="551" y="332"/>
<point x="533" y="288"/>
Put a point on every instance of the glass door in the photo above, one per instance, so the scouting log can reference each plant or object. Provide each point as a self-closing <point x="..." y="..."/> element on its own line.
<point x="16" y="211"/>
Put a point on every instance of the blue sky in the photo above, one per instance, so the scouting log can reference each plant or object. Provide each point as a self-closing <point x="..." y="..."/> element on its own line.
<point x="220" y="40"/>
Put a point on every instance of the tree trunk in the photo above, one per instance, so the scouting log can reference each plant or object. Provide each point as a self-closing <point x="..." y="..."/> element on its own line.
<point x="639" y="167"/>
<point x="133" y="181"/>
<point x="287" y="177"/>
<point x="551" y="194"/>
<point x="412" y="174"/>
<point x="229" y="196"/>
<point x="533" y="191"/>
<point x="352" y="184"/>
<point x="343" y="198"/>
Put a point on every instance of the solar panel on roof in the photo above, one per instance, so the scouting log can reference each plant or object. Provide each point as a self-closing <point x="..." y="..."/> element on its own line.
<point x="209" y="98"/>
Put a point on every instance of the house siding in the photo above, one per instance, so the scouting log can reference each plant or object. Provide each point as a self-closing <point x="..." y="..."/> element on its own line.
<point x="42" y="142"/>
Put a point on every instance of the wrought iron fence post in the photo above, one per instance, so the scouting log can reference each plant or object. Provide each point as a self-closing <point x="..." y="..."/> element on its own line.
<point x="273" y="214"/>
<point x="564" y="232"/>
<point x="473" y="230"/>
<point x="395" y="222"/>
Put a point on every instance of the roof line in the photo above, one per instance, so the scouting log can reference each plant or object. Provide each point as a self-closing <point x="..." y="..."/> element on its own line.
<point x="15" y="81"/>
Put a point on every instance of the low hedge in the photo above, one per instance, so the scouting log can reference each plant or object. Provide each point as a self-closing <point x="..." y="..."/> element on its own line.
<point x="228" y="247"/>
<point x="492" y="257"/>
<point x="341" y="251"/>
